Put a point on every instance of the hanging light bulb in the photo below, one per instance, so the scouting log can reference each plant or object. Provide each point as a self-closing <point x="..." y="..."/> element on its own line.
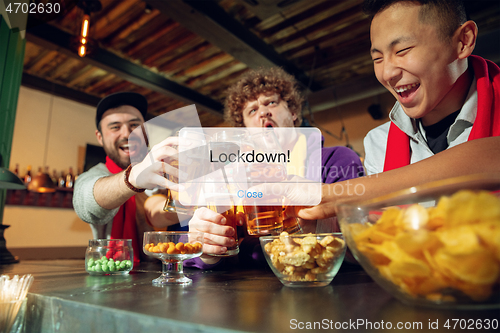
<point x="85" y="26"/>
<point x="82" y="50"/>
<point x="84" y="32"/>
<point x="84" y="41"/>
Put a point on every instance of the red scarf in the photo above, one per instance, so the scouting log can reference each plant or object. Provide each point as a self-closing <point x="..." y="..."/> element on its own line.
<point x="487" y="121"/>
<point x="124" y="224"/>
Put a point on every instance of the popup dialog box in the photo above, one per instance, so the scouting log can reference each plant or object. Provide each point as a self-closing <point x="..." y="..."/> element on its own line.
<point x="242" y="166"/>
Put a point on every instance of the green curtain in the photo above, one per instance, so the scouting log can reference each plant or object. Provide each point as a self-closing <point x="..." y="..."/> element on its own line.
<point x="11" y="69"/>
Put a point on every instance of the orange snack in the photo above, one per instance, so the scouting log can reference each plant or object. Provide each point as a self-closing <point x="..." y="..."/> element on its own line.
<point x="173" y="248"/>
<point x="162" y="246"/>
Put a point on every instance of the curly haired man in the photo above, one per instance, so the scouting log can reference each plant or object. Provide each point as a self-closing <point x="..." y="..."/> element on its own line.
<point x="271" y="98"/>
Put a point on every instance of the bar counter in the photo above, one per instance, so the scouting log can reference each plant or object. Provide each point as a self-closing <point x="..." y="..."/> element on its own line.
<point x="65" y="298"/>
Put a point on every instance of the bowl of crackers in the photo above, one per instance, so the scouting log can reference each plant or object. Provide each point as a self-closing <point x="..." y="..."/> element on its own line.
<point x="304" y="260"/>
<point x="434" y="245"/>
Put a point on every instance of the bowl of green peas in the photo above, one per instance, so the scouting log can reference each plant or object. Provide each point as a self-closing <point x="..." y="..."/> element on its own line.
<point x="109" y="256"/>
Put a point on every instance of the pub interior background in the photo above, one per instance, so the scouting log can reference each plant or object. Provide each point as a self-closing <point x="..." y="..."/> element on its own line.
<point x="324" y="43"/>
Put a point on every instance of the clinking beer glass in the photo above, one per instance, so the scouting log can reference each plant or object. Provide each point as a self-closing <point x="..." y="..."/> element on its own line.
<point x="265" y="210"/>
<point x="196" y="138"/>
<point x="230" y="212"/>
<point x="220" y="186"/>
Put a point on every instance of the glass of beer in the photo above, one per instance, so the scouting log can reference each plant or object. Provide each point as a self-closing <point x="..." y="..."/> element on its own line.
<point x="292" y="226"/>
<point x="220" y="186"/>
<point x="265" y="216"/>
<point x="230" y="213"/>
<point x="265" y="210"/>
<point x="197" y="138"/>
<point x="264" y="219"/>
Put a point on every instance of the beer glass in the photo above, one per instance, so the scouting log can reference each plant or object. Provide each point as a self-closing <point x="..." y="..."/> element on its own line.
<point x="196" y="138"/>
<point x="230" y="212"/>
<point x="221" y="186"/>
<point x="265" y="210"/>
<point x="264" y="219"/>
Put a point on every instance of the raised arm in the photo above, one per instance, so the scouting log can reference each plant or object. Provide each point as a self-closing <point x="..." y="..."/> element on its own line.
<point x="111" y="192"/>
<point x="476" y="156"/>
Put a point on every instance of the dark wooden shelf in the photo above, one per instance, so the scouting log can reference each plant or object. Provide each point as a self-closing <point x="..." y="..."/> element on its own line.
<point x="61" y="198"/>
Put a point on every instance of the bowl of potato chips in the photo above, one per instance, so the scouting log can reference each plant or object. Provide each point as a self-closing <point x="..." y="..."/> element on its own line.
<point x="304" y="260"/>
<point x="435" y="245"/>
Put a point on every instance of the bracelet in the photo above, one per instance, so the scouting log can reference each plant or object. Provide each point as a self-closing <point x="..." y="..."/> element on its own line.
<point x="130" y="186"/>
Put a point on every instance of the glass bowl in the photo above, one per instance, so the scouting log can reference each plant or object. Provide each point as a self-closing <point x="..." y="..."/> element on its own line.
<point x="435" y="245"/>
<point x="304" y="260"/>
<point x="172" y="248"/>
<point x="109" y="256"/>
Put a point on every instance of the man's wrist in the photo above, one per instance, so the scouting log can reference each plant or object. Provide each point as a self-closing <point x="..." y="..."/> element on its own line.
<point x="126" y="176"/>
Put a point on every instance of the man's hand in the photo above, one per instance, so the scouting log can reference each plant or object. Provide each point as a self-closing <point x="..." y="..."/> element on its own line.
<point x="322" y="211"/>
<point x="301" y="197"/>
<point x="218" y="236"/>
<point x="151" y="172"/>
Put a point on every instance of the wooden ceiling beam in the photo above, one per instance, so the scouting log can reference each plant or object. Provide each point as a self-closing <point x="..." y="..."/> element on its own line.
<point x="153" y="98"/>
<point x="215" y="74"/>
<point x="181" y="53"/>
<point x="333" y="38"/>
<point x="208" y="20"/>
<point x="77" y="74"/>
<point x="169" y="47"/>
<point x="35" y="82"/>
<point x="153" y="107"/>
<point x="44" y="60"/>
<point x="102" y="82"/>
<point x="191" y="58"/>
<point x="153" y="38"/>
<point x="136" y="25"/>
<point x="288" y="22"/>
<point x="344" y="93"/>
<point x="215" y="88"/>
<point x="337" y="54"/>
<point x="122" y="86"/>
<point x="104" y="89"/>
<point x="32" y="54"/>
<point x="108" y="23"/>
<point x="87" y="75"/>
<point x="354" y="13"/>
<point x="206" y="65"/>
<point x="54" y="39"/>
<point x="64" y="68"/>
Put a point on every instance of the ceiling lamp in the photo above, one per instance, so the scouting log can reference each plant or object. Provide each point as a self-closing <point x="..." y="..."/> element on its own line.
<point x="88" y="7"/>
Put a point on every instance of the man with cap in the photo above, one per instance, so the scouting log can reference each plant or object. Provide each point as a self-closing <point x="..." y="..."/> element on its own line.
<point x="110" y="197"/>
